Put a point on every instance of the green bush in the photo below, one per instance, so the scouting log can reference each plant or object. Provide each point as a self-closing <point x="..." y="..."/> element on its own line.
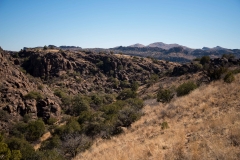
<point x="66" y="99"/>
<point x="25" y="147"/>
<point x="71" y="127"/>
<point x="134" y="86"/>
<point x="5" y="152"/>
<point x="127" y="93"/>
<point x="96" y="99"/>
<point x="164" y="95"/>
<point x="164" y="125"/>
<point x="204" y="60"/>
<point x="135" y="103"/>
<point x="51" y="120"/>
<point x="216" y="73"/>
<point x="124" y="84"/>
<point x="79" y="104"/>
<point x="186" y="88"/>
<point x="127" y="116"/>
<point x="35" y="130"/>
<point x="153" y="79"/>
<point x="51" y="143"/>
<point x="229" y="78"/>
<point x="228" y="56"/>
<point x="33" y="95"/>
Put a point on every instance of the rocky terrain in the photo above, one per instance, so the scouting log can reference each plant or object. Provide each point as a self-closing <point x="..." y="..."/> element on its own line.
<point x="59" y="101"/>
<point x="176" y="54"/>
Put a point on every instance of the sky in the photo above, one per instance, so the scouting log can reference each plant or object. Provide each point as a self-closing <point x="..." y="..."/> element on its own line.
<point x="111" y="23"/>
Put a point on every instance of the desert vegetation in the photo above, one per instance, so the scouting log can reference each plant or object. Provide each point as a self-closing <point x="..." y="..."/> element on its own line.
<point x="61" y="104"/>
<point x="201" y="125"/>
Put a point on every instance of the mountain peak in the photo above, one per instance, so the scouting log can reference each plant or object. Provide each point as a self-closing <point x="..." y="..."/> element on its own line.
<point x="164" y="45"/>
<point x="137" y="45"/>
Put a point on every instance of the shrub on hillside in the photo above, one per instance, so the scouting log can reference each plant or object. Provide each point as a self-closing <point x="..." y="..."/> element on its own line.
<point x="66" y="99"/>
<point x="186" y="88"/>
<point x="134" y="86"/>
<point x="79" y="104"/>
<point x="25" y="147"/>
<point x="164" y="95"/>
<point x="229" y="77"/>
<point x="152" y="80"/>
<point x="164" y="125"/>
<point x="215" y="73"/>
<point x="35" y="130"/>
<point x="204" y="60"/>
<point x="33" y="95"/>
<point x="127" y="93"/>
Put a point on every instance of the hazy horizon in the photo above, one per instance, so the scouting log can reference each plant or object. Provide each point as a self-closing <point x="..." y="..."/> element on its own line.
<point x="107" y="24"/>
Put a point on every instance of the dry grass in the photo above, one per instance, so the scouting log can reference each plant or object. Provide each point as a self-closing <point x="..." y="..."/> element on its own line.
<point x="203" y="125"/>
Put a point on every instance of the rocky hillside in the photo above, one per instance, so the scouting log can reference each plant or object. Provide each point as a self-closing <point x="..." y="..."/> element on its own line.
<point x="175" y="53"/>
<point x="68" y="95"/>
<point x="56" y="103"/>
<point x="201" y="125"/>
<point x="16" y="90"/>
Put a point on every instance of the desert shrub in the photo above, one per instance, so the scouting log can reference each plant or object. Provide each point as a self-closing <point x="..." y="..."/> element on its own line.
<point x="164" y="95"/>
<point x="134" y="86"/>
<point x="35" y="130"/>
<point x="152" y="80"/>
<point x="229" y="77"/>
<point x="108" y="98"/>
<point x="48" y="155"/>
<point x="126" y="93"/>
<point x="124" y="84"/>
<point x="96" y="99"/>
<point x="228" y="56"/>
<point x="127" y="116"/>
<point x="79" y="104"/>
<point x="135" y="103"/>
<point x="84" y="116"/>
<point x="51" y="120"/>
<point x="110" y="109"/>
<point x="120" y="67"/>
<point x="5" y="152"/>
<point x="25" y="147"/>
<point x="19" y="130"/>
<point x="186" y="88"/>
<point x="45" y="47"/>
<point x="66" y="99"/>
<point x="27" y="118"/>
<point x="71" y="127"/>
<point x="33" y="95"/>
<point x="164" y="125"/>
<point x="75" y="143"/>
<point x="215" y="73"/>
<point x="53" y="142"/>
<point x="198" y="66"/>
<point x="16" y="155"/>
<point x="204" y="60"/>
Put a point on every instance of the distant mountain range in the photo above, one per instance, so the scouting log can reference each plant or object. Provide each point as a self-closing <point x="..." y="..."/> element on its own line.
<point x="173" y="52"/>
<point x="159" y="45"/>
<point x="160" y="50"/>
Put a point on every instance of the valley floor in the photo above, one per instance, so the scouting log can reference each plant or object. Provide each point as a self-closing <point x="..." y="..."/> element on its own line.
<point x="202" y="125"/>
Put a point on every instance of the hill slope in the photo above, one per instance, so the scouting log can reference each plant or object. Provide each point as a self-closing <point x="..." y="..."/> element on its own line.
<point x="202" y="125"/>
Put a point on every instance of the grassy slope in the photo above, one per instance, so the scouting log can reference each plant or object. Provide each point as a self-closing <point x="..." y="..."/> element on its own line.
<point x="203" y="125"/>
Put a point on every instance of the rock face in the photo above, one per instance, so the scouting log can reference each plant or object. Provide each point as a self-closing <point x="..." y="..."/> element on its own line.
<point x="84" y="72"/>
<point x="29" y="77"/>
<point x="15" y="85"/>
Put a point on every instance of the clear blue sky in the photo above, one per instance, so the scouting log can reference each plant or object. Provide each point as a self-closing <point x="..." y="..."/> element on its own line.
<point x="111" y="23"/>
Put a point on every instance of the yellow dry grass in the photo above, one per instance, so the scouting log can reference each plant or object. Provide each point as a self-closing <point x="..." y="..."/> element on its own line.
<point x="202" y="125"/>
